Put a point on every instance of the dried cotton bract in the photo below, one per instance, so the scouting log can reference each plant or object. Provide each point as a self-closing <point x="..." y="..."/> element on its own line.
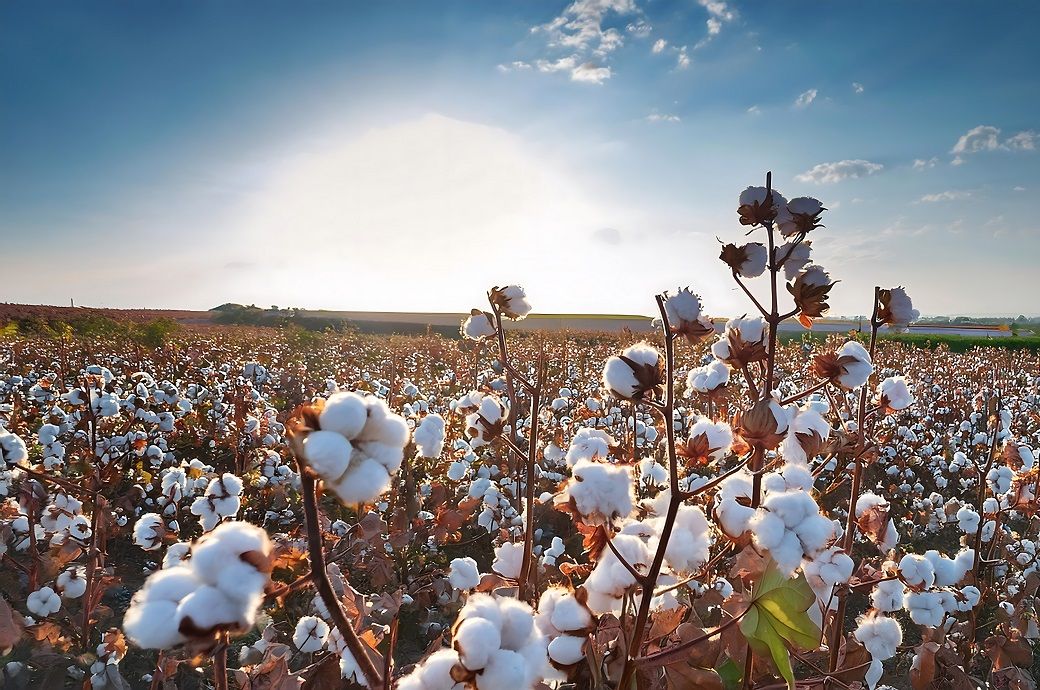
<point x="636" y="373"/>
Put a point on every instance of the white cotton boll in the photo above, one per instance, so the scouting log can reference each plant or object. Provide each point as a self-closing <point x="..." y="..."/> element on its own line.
<point x="429" y="437"/>
<point x="618" y="375"/>
<point x="793" y="257"/>
<point x="888" y="596"/>
<point x="383" y="426"/>
<point x="389" y="456"/>
<point x="567" y="649"/>
<point x="925" y="608"/>
<point x="881" y="636"/>
<point x="917" y="571"/>
<point x="43" y="602"/>
<point x="707" y="378"/>
<point x="690" y="540"/>
<point x="12" y="448"/>
<point x="756" y="258"/>
<point x="508" y="559"/>
<point x="971" y="597"/>
<point x="512" y="299"/>
<point x="855" y="364"/>
<point x="570" y="615"/>
<point x="344" y="413"/>
<point x="153" y="624"/>
<point x="310" y="634"/>
<point x="601" y="491"/>
<point x="589" y="444"/>
<point x="734" y="517"/>
<point x="225" y="546"/>
<point x="717" y="436"/>
<point x="683" y="306"/>
<point x="968" y="520"/>
<point x="208" y="608"/>
<point x="72" y="583"/>
<point x="505" y="669"/>
<point x="894" y="394"/>
<point x="517" y="623"/>
<point x="464" y="573"/>
<point x="476" y="639"/>
<point x="327" y="453"/>
<point x="148" y="531"/>
<point x="610" y="578"/>
<point x="900" y="311"/>
<point x="365" y="480"/>
<point x="768" y="530"/>
<point x="477" y="326"/>
<point x="457" y="470"/>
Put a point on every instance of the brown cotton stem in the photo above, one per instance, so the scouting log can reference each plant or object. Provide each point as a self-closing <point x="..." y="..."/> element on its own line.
<point x="526" y="580"/>
<point x="220" y="680"/>
<point x="328" y="596"/>
<point x="849" y="538"/>
<point x="674" y="501"/>
<point x="774" y="316"/>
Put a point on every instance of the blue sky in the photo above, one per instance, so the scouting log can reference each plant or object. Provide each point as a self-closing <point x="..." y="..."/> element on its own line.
<point x="407" y="155"/>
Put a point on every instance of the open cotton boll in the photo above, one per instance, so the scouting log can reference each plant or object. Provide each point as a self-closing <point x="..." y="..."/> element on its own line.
<point x="949" y="571"/>
<point x="429" y="436"/>
<point x="968" y="520"/>
<point x="894" y="394"/>
<point x="636" y="372"/>
<point x="508" y="559"/>
<point x="209" y="608"/>
<point x="734" y="517"/>
<point x="566" y="650"/>
<point x="464" y="573"/>
<point x="601" y="492"/>
<point x="476" y="639"/>
<point x="327" y="453"/>
<point x="506" y="669"/>
<point x="610" y="578"/>
<point x="310" y="634"/>
<point x="793" y="257"/>
<point x="888" y="596"/>
<point x="688" y="547"/>
<point x="707" y="440"/>
<point x="43" y="602"/>
<point x="365" y="480"/>
<point x="12" y="448"/>
<point x="925" y="608"/>
<point x="149" y="531"/>
<point x="477" y="326"/>
<point x="434" y="673"/>
<point x="383" y="426"/>
<point x="344" y="413"/>
<point x="881" y="636"/>
<point x="917" y="571"/>
<point x="589" y="444"/>
<point x="72" y="583"/>
<point x="897" y="310"/>
<point x="854" y="364"/>
<point x="707" y="378"/>
<point x="755" y="259"/>
<point x="511" y="300"/>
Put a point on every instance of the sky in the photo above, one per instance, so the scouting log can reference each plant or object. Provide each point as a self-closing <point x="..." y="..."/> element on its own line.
<point x="407" y="156"/>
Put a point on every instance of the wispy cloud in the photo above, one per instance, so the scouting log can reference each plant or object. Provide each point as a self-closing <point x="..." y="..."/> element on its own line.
<point x="857" y="87"/>
<point x="829" y="173"/>
<point x="581" y="30"/>
<point x="925" y="163"/>
<point x="662" y="117"/>
<point x="682" y="60"/>
<point x="719" y="14"/>
<point x="805" y="98"/>
<point x="659" y="46"/>
<point x="754" y="110"/>
<point x="989" y="138"/>
<point x="944" y="196"/>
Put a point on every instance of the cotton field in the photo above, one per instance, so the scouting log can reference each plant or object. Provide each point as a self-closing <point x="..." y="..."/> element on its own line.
<point x="244" y="508"/>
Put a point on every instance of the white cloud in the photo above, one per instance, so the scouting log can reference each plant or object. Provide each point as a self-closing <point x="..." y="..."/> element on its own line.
<point x="755" y="110"/>
<point x="828" y="173"/>
<point x="922" y="163"/>
<point x="659" y="117"/>
<point x="682" y="60"/>
<point x="659" y="46"/>
<point x="1018" y="188"/>
<point x="719" y="13"/>
<point x="805" y="99"/>
<point x="988" y="138"/>
<point x="591" y="73"/>
<point x="515" y="66"/>
<point x="944" y="196"/>
<point x="857" y="87"/>
<point x="580" y="29"/>
<point x="607" y="236"/>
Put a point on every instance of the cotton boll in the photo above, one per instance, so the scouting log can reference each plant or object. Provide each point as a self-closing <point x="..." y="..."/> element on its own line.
<point x="363" y="481"/>
<point x="476" y="639"/>
<point x="854" y="364"/>
<point x="429" y="437"/>
<point x="153" y="625"/>
<point x="707" y="378"/>
<point x="505" y="669"/>
<point x="925" y="608"/>
<point x="43" y="602"/>
<point x="601" y="492"/>
<point x="888" y="596"/>
<point x="464" y="573"/>
<point x="345" y="414"/>
<point x="310" y="634"/>
<point x="517" y="623"/>
<point x="589" y="444"/>
<point x="567" y="650"/>
<point x="327" y="453"/>
<point x="917" y="571"/>
<point x="209" y="608"/>
<point x="508" y="560"/>
<point x="638" y="371"/>
<point x="477" y="326"/>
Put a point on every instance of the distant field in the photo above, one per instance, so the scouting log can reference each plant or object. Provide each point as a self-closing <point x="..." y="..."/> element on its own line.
<point x="958" y="337"/>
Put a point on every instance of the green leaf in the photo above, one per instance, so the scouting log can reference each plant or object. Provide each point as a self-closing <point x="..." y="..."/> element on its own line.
<point x="777" y="619"/>
<point x="731" y="674"/>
